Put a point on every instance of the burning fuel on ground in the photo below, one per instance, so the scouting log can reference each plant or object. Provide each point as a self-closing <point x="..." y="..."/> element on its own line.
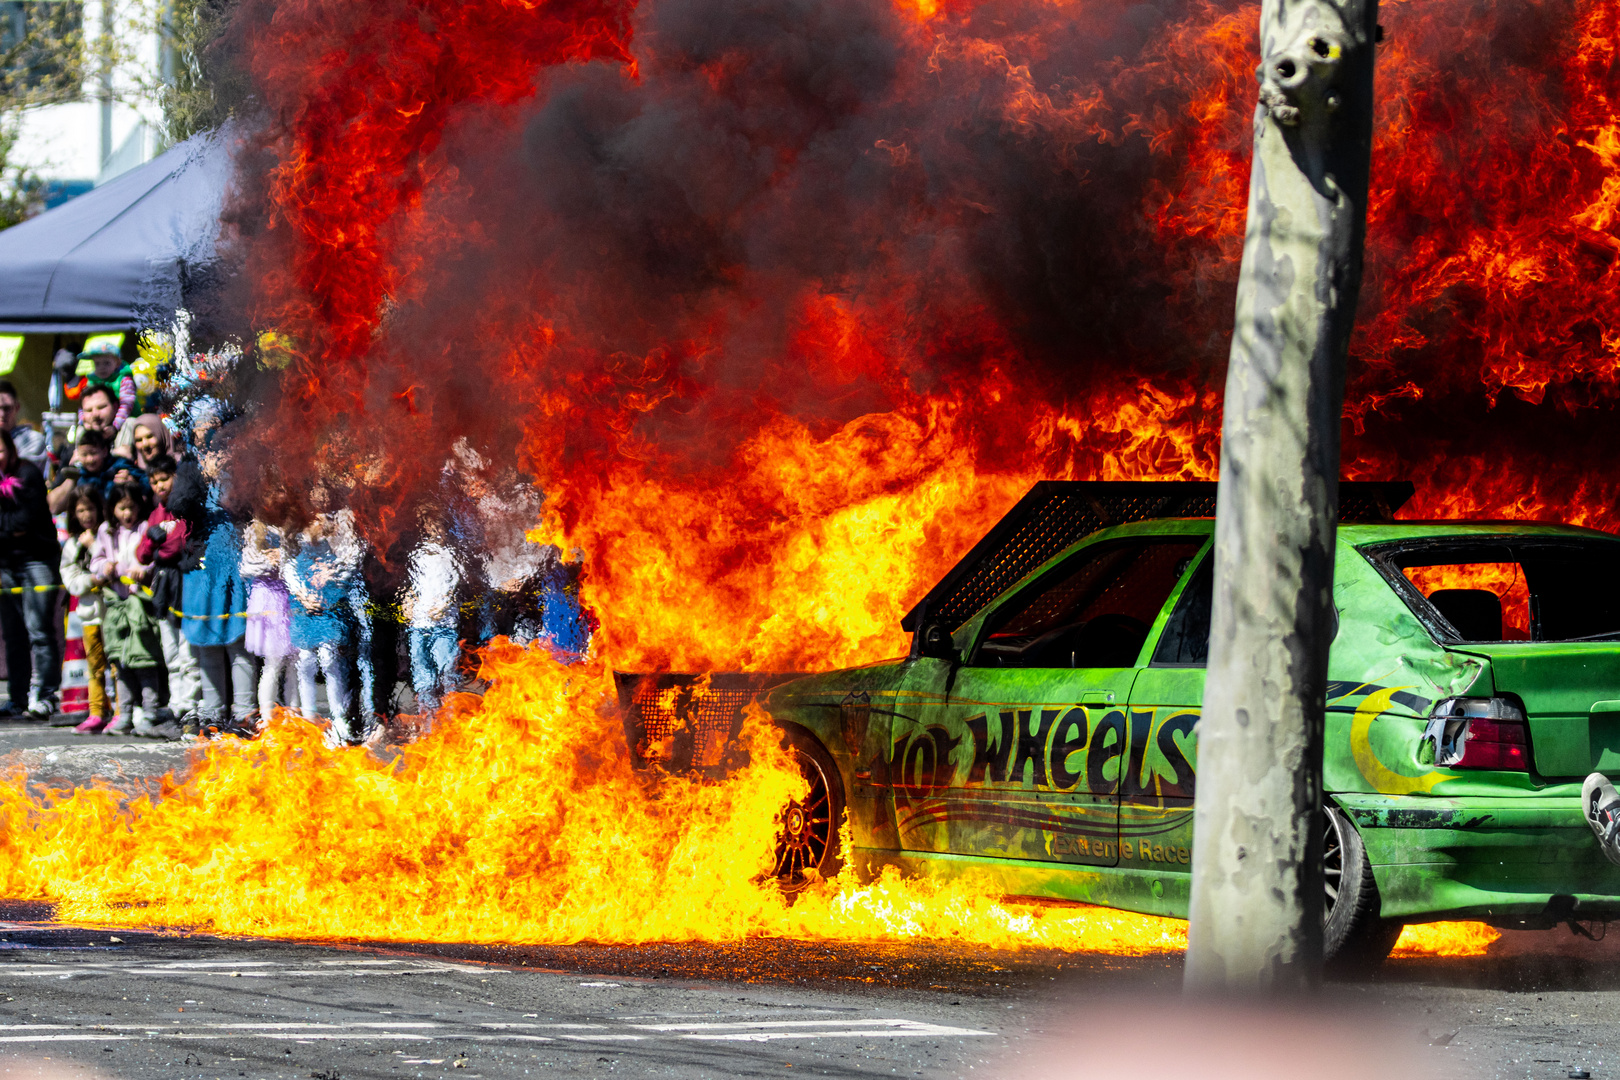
<point x="780" y="306"/>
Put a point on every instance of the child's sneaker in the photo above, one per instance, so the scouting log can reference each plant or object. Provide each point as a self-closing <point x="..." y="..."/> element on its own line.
<point x="91" y="725"/>
<point x="243" y="727"/>
<point x="120" y="725"/>
<point x="337" y="735"/>
<point x="41" y="705"/>
<point x="142" y="726"/>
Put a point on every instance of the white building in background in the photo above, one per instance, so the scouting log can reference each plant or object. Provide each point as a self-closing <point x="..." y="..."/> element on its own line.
<point x="116" y="123"/>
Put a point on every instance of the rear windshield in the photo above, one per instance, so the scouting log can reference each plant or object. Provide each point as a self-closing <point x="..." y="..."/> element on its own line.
<point x="1508" y="589"/>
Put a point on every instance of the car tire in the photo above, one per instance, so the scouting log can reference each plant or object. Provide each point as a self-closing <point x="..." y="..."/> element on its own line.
<point x="808" y="847"/>
<point x="1355" y="938"/>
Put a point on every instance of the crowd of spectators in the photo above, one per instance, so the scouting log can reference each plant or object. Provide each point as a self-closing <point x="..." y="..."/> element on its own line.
<point x="205" y="620"/>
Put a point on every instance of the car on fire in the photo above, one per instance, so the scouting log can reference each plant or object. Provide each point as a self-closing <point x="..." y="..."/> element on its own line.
<point x="1043" y="730"/>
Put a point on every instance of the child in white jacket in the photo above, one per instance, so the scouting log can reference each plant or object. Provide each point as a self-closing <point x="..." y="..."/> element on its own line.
<point x="89" y="514"/>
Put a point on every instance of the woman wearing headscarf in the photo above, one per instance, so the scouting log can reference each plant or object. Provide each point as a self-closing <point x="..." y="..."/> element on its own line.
<point x="144" y="438"/>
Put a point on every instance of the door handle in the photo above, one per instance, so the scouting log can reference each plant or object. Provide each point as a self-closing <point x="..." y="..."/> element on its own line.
<point x="1097" y="697"/>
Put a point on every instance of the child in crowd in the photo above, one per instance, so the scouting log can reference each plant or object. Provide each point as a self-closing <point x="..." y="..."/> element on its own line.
<point x="318" y="578"/>
<point x="111" y="372"/>
<point x="431" y="612"/>
<point x="213" y="600"/>
<point x="161" y="550"/>
<point x="89" y="514"/>
<point x="269" y="629"/>
<point x="128" y="626"/>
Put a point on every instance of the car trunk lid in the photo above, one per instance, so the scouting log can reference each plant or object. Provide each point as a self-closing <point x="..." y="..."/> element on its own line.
<point x="1571" y="695"/>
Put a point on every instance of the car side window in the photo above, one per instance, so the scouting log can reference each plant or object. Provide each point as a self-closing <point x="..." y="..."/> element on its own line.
<point x="1185" y="641"/>
<point x="1093" y="611"/>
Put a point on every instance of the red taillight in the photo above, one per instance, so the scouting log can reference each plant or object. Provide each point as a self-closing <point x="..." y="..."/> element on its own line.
<point x="1495" y="744"/>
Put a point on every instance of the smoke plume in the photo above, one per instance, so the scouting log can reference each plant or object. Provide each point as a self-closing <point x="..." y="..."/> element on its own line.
<point x="749" y="289"/>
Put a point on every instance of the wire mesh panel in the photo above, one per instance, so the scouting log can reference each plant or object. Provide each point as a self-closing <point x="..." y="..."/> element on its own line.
<point x="1058" y="513"/>
<point x="683" y="721"/>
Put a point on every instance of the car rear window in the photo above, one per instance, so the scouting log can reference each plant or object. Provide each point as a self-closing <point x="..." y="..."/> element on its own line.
<point x="1508" y="589"/>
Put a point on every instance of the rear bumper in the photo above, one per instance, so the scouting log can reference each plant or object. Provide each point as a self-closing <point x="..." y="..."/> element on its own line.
<point x="1517" y="861"/>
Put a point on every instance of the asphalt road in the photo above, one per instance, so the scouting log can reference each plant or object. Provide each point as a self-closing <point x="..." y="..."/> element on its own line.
<point x="100" y="1002"/>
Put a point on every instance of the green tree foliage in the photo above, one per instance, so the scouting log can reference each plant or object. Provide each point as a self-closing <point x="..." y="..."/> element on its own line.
<point x="205" y="85"/>
<point x="42" y="48"/>
<point x="22" y="193"/>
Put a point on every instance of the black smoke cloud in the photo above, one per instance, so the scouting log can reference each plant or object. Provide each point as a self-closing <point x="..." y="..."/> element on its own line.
<point x="965" y="193"/>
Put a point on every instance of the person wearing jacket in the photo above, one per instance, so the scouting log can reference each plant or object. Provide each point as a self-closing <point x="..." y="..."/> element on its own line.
<point x="320" y="577"/>
<point x="129" y="628"/>
<point x="265" y="550"/>
<point x="162" y="549"/>
<point x="85" y="585"/>
<point x="213" y="596"/>
<point x="92" y="463"/>
<point x="29" y="582"/>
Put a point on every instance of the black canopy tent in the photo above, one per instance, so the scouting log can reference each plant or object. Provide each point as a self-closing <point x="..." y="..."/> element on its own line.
<point x="121" y="256"/>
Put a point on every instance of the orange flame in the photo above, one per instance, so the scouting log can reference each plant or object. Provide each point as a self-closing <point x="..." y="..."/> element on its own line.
<point x="1506" y="580"/>
<point x="1446" y="939"/>
<point x="518" y="819"/>
<point x="764" y="463"/>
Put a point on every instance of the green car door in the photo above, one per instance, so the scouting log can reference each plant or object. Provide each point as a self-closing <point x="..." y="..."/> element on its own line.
<point x="1156" y="797"/>
<point x="1028" y="752"/>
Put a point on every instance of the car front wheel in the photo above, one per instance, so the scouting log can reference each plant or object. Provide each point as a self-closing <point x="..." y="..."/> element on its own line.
<point x="807" y="848"/>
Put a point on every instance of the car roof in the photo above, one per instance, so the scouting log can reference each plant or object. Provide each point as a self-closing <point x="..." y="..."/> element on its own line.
<point x="1359" y="533"/>
<point x="1054" y="515"/>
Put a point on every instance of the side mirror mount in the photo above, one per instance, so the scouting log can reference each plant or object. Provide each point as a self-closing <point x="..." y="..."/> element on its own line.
<point x="933" y="640"/>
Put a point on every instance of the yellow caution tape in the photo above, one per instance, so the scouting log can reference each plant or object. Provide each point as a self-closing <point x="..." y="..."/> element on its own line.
<point x="146" y="593"/>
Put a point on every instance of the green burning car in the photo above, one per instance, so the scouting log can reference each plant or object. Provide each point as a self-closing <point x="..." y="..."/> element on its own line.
<point x="1044" y="729"/>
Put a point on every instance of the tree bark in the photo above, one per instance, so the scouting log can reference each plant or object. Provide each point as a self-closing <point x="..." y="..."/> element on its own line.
<point x="1257" y="892"/>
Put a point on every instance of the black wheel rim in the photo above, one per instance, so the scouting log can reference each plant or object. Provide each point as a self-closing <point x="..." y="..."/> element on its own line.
<point x="804" y="829"/>
<point x="1332" y="860"/>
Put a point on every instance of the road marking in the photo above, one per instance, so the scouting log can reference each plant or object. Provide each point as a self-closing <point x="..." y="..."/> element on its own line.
<point x="877" y="1029"/>
<point x="754" y="1031"/>
<point x="302" y="1035"/>
<point x="922" y="1031"/>
<point x="254" y="969"/>
<point x="314" y="1025"/>
<point x="830" y="1022"/>
<point x="204" y="965"/>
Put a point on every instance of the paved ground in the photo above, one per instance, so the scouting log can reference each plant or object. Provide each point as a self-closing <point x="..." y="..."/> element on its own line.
<point x="94" y="1002"/>
<point x="148" y="1006"/>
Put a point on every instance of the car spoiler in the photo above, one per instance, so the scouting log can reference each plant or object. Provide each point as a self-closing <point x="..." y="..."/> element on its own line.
<point x="1058" y="513"/>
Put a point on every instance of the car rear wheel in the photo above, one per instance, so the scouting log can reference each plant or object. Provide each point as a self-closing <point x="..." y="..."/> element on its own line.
<point x="807" y="848"/>
<point x="1355" y="938"/>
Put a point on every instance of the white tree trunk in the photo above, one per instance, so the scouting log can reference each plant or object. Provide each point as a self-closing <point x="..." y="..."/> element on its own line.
<point x="1257" y="893"/>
